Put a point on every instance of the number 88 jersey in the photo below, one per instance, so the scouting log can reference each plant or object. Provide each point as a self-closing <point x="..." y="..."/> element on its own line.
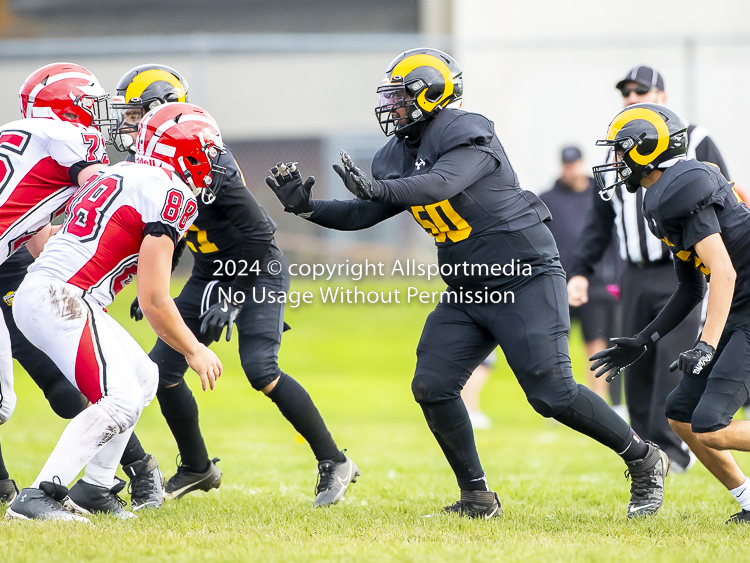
<point x="106" y="221"/>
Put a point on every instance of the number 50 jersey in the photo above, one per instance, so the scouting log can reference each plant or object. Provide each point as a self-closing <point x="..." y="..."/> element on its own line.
<point x="106" y="221"/>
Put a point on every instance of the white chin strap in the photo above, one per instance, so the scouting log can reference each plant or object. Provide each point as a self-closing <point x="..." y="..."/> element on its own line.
<point x="126" y="140"/>
<point x="207" y="197"/>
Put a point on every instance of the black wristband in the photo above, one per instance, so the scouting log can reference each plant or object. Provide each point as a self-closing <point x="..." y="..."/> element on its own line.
<point x="645" y="340"/>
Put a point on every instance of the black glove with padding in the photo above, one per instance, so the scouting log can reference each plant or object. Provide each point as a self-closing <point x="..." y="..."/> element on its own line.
<point x="292" y="192"/>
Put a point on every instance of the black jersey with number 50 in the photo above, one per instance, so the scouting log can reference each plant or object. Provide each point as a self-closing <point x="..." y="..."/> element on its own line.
<point x="454" y="177"/>
<point x="492" y="221"/>
<point x="495" y="203"/>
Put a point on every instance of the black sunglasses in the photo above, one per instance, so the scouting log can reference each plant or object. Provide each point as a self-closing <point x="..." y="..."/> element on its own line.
<point x="640" y="90"/>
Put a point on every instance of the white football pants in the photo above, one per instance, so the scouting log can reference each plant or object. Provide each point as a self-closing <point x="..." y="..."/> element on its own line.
<point x="101" y="359"/>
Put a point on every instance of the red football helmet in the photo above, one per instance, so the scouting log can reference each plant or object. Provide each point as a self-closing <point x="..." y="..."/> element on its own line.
<point x="184" y="138"/>
<point x="67" y="92"/>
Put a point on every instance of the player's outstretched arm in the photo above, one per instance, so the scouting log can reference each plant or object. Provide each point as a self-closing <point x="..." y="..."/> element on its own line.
<point x="452" y="173"/>
<point x="154" y="272"/>
<point x="689" y="294"/>
<point x="351" y="215"/>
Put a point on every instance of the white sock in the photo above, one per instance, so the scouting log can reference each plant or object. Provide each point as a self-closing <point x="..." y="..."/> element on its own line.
<point x="742" y="494"/>
<point x="81" y="440"/>
<point x="101" y="469"/>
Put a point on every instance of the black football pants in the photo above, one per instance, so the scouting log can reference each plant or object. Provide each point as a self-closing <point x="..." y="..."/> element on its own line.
<point x="532" y="333"/>
<point x="259" y="327"/>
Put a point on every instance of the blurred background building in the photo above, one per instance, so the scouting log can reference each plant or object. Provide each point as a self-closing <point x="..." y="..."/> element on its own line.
<point x="296" y="79"/>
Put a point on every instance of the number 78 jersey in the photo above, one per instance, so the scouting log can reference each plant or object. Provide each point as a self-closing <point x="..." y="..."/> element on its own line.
<point x="106" y="222"/>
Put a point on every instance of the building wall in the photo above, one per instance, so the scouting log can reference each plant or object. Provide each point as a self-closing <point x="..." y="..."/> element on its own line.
<point x="545" y="71"/>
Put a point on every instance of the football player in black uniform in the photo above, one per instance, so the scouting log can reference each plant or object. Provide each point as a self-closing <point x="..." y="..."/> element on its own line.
<point x="698" y="214"/>
<point x="146" y="479"/>
<point x="449" y="170"/>
<point x="233" y="231"/>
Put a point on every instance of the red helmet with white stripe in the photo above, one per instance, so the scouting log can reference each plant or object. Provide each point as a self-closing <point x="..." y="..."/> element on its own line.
<point x="66" y="92"/>
<point x="184" y="138"/>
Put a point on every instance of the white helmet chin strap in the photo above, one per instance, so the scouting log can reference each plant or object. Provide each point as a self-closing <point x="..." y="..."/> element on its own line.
<point x="207" y="197"/>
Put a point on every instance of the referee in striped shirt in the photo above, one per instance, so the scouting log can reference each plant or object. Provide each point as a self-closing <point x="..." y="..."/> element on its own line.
<point x="647" y="283"/>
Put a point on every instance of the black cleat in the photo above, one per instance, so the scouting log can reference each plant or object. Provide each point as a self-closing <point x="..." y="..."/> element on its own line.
<point x="647" y="482"/>
<point x="8" y="491"/>
<point x="185" y="481"/>
<point x="477" y="504"/>
<point x="42" y="504"/>
<point x="146" y="486"/>
<point x="85" y="498"/>
<point x="742" y="517"/>
<point x="333" y="480"/>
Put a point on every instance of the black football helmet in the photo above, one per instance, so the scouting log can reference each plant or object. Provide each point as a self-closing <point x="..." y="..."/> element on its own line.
<point x="140" y="90"/>
<point x="643" y="136"/>
<point x="417" y="85"/>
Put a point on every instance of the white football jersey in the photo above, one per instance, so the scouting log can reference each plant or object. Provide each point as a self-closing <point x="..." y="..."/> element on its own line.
<point x="35" y="184"/>
<point x="106" y="221"/>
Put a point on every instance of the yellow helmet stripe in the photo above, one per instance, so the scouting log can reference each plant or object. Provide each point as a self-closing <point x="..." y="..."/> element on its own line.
<point x="647" y="115"/>
<point x="144" y="79"/>
<point x="404" y="67"/>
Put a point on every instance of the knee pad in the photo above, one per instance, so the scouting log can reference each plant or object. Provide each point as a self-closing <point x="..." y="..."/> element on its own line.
<point x="672" y="408"/>
<point x="706" y="418"/>
<point x="553" y="390"/>
<point x="7" y="406"/>
<point x="66" y="401"/>
<point x="124" y="407"/>
<point x="436" y="381"/>
<point x="260" y="372"/>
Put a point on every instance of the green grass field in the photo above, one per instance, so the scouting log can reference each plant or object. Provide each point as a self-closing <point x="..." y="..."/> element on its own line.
<point x="564" y="496"/>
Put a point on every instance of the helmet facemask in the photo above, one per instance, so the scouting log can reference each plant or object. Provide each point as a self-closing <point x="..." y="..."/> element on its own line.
<point x="98" y="110"/>
<point x="397" y="108"/>
<point x="127" y="116"/>
<point x="619" y="168"/>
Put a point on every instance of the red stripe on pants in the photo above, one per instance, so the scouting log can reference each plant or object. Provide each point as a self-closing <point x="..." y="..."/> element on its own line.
<point x="88" y="370"/>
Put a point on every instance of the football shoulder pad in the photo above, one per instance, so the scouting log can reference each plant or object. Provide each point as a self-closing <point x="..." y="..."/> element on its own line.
<point x="692" y="189"/>
<point x="453" y="128"/>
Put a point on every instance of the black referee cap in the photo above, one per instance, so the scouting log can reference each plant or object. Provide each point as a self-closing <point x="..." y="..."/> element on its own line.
<point x="644" y="75"/>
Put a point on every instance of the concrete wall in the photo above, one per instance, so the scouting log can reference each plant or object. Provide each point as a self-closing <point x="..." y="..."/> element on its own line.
<point x="251" y="96"/>
<point x="545" y="71"/>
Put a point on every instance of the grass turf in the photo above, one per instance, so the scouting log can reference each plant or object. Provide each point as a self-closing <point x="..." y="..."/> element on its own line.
<point x="564" y="496"/>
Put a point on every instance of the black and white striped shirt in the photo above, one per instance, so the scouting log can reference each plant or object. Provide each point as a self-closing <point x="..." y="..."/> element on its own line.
<point x="625" y="210"/>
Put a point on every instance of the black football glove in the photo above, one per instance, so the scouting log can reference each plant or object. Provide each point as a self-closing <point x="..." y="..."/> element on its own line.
<point x="354" y="179"/>
<point x="693" y="361"/>
<point x="624" y="352"/>
<point x="292" y="192"/>
<point x="218" y="316"/>
<point x="135" y="311"/>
